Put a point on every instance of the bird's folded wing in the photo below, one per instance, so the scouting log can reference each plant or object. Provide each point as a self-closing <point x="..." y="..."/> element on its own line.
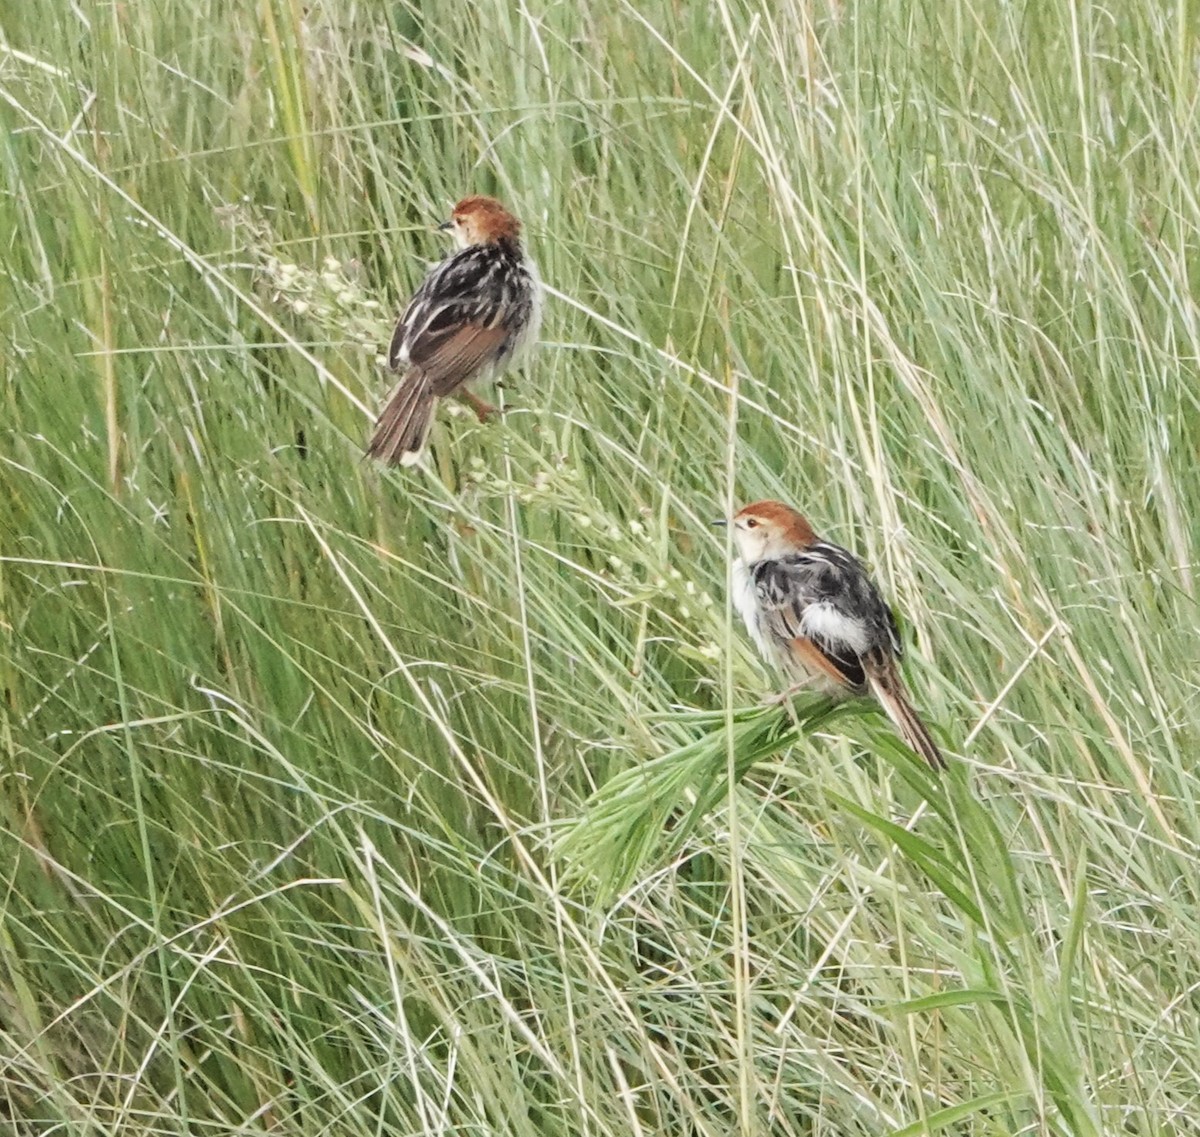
<point x="844" y="671"/>
<point x="799" y="601"/>
<point x="463" y="290"/>
<point x="456" y="357"/>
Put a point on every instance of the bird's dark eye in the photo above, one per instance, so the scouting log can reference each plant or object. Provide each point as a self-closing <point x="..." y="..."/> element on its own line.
<point x="751" y="523"/>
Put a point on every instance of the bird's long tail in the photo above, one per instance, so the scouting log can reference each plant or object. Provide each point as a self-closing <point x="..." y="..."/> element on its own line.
<point x="404" y="423"/>
<point x="888" y="688"/>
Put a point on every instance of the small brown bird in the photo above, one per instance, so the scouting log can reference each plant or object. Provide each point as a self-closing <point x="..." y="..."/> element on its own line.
<point x="816" y="616"/>
<point x="472" y="317"/>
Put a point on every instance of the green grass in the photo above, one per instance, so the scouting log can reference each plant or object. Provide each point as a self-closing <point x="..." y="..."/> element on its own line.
<point x="309" y="821"/>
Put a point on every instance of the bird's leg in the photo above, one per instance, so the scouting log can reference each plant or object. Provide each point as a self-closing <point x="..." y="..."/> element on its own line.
<point x="483" y="410"/>
<point x="781" y="697"/>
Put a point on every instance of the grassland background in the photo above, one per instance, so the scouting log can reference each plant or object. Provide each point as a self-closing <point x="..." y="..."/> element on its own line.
<point x="286" y="739"/>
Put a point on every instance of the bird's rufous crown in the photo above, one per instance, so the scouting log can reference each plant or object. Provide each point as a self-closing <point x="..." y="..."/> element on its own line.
<point x="486" y="220"/>
<point x="785" y="520"/>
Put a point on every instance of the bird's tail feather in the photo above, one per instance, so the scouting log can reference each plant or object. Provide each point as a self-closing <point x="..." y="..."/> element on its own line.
<point x="888" y="688"/>
<point x="404" y="423"/>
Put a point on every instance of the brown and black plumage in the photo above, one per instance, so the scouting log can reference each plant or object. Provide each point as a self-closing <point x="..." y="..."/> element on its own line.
<point x="817" y="617"/>
<point x="472" y="317"/>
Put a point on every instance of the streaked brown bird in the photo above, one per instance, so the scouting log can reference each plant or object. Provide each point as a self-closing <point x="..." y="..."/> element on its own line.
<point x="817" y="617"/>
<point x="473" y="316"/>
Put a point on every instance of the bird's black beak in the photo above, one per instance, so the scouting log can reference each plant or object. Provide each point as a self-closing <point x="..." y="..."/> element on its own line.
<point x="719" y="521"/>
<point x="446" y="225"/>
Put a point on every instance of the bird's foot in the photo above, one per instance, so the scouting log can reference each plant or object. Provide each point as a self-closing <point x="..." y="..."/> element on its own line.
<point x="781" y="697"/>
<point x="483" y="410"/>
